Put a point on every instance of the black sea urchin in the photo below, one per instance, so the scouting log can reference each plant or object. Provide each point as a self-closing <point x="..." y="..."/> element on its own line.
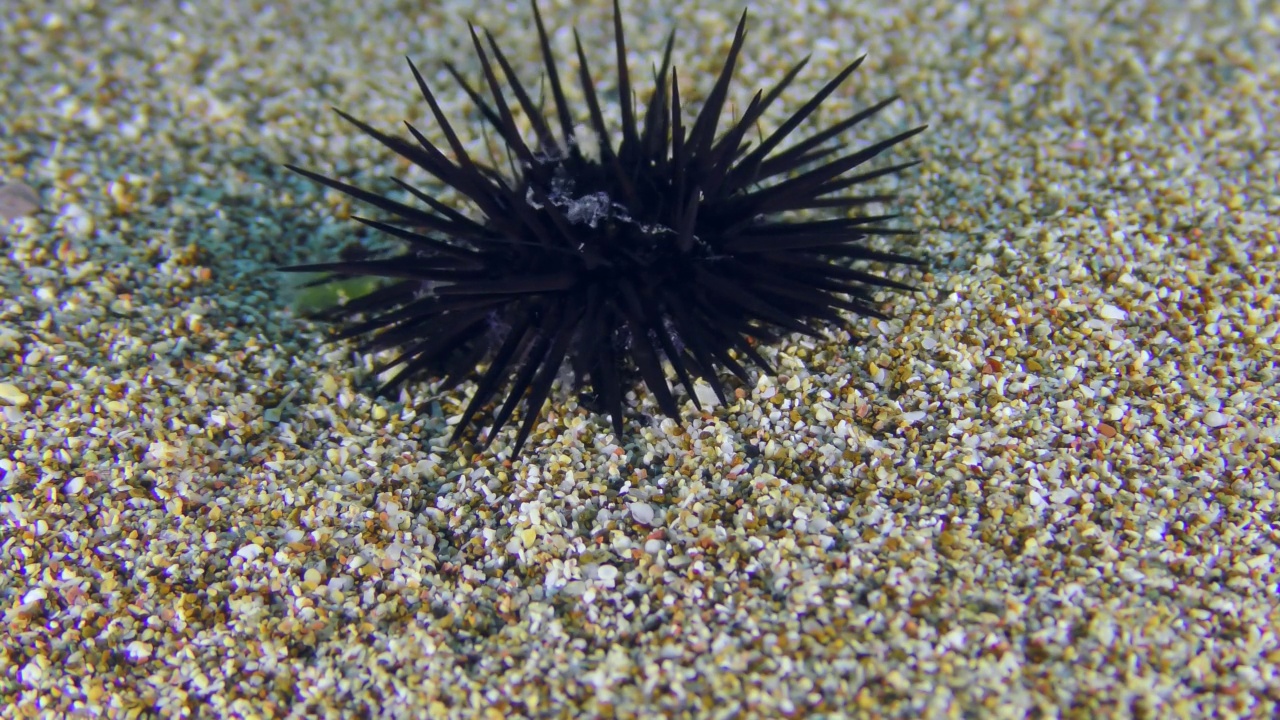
<point x="671" y="244"/>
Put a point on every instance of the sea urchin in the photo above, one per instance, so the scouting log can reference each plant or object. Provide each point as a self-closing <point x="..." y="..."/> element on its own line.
<point x="677" y="243"/>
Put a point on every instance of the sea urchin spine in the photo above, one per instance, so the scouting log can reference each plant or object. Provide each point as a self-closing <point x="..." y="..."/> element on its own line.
<point x="672" y="244"/>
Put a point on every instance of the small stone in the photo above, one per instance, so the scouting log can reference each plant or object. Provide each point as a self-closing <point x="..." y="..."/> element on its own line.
<point x="642" y="513"/>
<point x="1215" y="419"/>
<point x="1111" y="312"/>
<point x="138" y="650"/>
<point x="166" y="452"/>
<point x="17" y="200"/>
<point x="31" y="673"/>
<point x="607" y="574"/>
<point x="250" y="552"/>
<point x="11" y="395"/>
<point x="329" y="386"/>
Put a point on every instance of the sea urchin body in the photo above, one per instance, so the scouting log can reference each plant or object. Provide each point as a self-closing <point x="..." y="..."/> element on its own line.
<point x="677" y="243"/>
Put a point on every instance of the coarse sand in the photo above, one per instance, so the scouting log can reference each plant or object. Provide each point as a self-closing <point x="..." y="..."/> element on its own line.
<point x="1046" y="487"/>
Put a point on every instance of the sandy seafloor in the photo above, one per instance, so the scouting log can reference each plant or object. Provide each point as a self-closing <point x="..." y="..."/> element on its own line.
<point x="1046" y="487"/>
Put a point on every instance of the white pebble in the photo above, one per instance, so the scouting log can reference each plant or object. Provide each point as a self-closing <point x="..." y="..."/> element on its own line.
<point x="31" y="673"/>
<point x="706" y="395"/>
<point x="166" y="452"/>
<point x="1062" y="495"/>
<point x="138" y="650"/>
<point x="642" y="513"/>
<point x="1111" y="312"/>
<point x="607" y="574"/>
<point x="250" y="552"/>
